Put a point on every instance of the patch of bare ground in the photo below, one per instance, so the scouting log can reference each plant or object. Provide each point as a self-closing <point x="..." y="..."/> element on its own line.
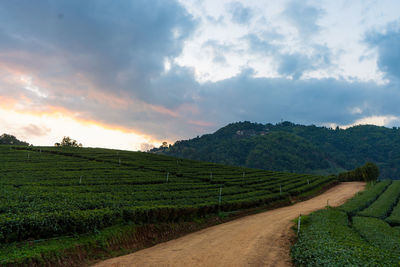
<point x="262" y="239"/>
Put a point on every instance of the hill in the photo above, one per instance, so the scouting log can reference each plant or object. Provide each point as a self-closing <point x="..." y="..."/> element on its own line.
<point x="7" y="139"/>
<point x="295" y="148"/>
<point x="61" y="201"/>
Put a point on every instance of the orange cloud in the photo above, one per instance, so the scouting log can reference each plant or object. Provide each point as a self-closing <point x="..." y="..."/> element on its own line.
<point x="83" y="89"/>
<point x="55" y="111"/>
<point x="7" y="102"/>
<point x="163" y="110"/>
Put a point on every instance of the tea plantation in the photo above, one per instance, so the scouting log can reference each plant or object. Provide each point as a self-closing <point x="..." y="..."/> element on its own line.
<point x="362" y="232"/>
<point x="50" y="192"/>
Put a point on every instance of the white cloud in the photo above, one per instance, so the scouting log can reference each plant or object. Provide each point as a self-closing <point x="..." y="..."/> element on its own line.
<point x="386" y="120"/>
<point x="337" y="25"/>
<point x="29" y="86"/>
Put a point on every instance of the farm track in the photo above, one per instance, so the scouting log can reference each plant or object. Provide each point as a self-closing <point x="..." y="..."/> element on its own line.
<point x="257" y="240"/>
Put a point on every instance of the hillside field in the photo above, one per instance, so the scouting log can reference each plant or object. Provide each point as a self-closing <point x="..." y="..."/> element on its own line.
<point x="49" y="194"/>
<point x="362" y="232"/>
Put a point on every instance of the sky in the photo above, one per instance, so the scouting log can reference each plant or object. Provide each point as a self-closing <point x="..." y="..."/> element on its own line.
<point x="132" y="74"/>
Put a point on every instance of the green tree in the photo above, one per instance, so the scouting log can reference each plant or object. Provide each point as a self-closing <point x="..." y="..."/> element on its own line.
<point x="68" y="142"/>
<point x="370" y="171"/>
<point x="7" y="139"/>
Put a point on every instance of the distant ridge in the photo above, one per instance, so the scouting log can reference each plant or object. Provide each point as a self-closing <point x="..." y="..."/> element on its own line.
<point x="7" y="139"/>
<point x="293" y="147"/>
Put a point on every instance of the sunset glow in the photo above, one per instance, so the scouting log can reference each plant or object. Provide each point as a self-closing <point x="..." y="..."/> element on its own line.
<point x="47" y="128"/>
<point x="133" y="74"/>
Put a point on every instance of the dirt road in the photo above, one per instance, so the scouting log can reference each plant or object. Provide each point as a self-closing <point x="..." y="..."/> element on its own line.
<point x="258" y="240"/>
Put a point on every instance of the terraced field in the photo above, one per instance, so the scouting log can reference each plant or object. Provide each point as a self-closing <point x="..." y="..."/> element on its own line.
<point x="48" y="192"/>
<point x="362" y="232"/>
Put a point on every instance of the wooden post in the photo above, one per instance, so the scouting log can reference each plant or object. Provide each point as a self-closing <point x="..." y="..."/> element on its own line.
<point x="298" y="225"/>
<point x="220" y="196"/>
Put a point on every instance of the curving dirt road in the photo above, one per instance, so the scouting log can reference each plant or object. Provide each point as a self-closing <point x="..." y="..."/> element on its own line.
<point x="257" y="240"/>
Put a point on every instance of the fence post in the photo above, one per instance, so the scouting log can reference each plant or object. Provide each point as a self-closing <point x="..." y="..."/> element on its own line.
<point x="220" y="196"/>
<point x="298" y="225"/>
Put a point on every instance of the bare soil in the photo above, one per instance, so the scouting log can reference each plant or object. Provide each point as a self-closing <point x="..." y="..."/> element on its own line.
<point x="262" y="239"/>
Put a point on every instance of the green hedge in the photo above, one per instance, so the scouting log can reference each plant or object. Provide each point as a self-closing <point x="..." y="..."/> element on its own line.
<point x="46" y="225"/>
<point x="48" y="192"/>
<point x="385" y="203"/>
<point x="327" y="240"/>
<point x="378" y="233"/>
<point x="365" y="198"/>
<point x="394" y="218"/>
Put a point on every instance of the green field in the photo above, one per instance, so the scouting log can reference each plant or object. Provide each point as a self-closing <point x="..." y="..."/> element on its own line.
<point x="48" y="192"/>
<point x="362" y="232"/>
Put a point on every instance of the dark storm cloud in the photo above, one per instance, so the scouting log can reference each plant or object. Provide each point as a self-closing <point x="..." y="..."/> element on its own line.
<point x="387" y="44"/>
<point x="306" y="101"/>
<point x="84" y="54"/>
<point x="118" y="46"/>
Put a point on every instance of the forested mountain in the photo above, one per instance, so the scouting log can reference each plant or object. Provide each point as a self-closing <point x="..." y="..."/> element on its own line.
<point x="298" y="148"/>
<point x="7" y="139"/>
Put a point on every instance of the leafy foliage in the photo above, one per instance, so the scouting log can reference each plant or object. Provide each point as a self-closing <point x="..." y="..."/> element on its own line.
<point x="365" y="198"/>
<point x="68" y="142"/>
<point x="378" y="233"/>
<point x="7" y="139"/>
<point x="56" y="191"/>
<point x="369" y="173"/>
<point x="394" y="218"/>
<point x="291" y="147"/>
<point x="335" y="237"/>
<point x="384" y="204"/>
<point x="327" y="240"/>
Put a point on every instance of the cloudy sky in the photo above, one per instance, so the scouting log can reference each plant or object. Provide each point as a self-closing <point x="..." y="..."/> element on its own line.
<point x="123" y="74"/>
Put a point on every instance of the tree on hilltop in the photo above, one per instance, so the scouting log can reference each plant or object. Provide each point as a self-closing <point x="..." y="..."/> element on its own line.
<point x="68" y="142"/>
<point x="8" y="139"/>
